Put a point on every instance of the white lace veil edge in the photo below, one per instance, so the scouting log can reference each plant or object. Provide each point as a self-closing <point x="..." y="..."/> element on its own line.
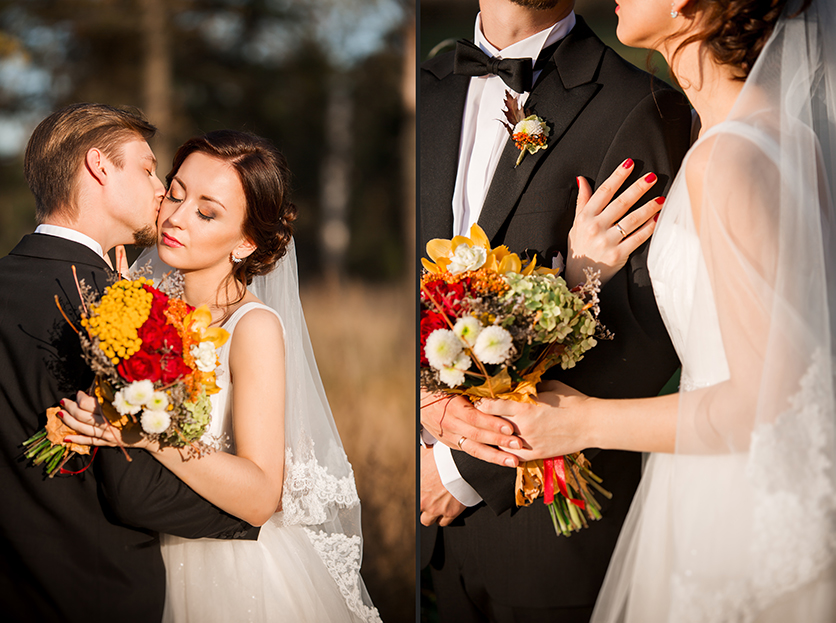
<point x="319" y="491"/>
<point x="740" y="524"/>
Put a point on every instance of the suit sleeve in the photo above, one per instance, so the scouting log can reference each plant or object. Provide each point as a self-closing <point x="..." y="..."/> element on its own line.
<point x="144" y="494"/>
<point x="640" y="359"/>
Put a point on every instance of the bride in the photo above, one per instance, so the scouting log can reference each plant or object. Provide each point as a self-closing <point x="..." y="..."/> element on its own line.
<point x="226" y="224"/>
<point x="735" y="518"/>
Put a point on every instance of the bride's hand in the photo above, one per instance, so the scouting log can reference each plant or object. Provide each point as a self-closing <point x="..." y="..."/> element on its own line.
<point x="602" y="237"/>
<point x="85" y="417"/>
<point x="553" y="426"/>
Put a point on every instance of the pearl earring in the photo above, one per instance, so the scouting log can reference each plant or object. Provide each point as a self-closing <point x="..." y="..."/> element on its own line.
<point x="235" y="260"/>
<point x="674" y="12"/>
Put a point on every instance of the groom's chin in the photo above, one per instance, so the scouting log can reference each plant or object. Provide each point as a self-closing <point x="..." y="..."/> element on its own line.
<point x="145" y="237"/>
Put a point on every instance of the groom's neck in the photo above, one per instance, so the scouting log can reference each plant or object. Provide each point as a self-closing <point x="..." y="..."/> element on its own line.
<point x="505" y="22"/>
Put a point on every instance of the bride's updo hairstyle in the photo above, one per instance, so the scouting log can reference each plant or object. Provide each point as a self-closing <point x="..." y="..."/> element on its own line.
<point x="735" y="31"/>
<point x="262" y="169"/>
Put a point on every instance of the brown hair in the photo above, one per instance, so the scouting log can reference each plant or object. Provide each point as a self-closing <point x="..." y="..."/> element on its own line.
<point x="262" y="169"/>
<point x="60" y="143"/>
<point x="735" y="31"/>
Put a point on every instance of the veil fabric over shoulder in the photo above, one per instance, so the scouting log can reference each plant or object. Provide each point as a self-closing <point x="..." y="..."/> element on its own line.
<point x="319" y="490"/>
<point x="739" y="525"/>
<point x="319" y="495"/>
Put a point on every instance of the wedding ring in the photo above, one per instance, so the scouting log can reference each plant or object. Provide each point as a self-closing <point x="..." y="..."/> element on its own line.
<point x="461" y="441"/>
<point x="621" y="231"/>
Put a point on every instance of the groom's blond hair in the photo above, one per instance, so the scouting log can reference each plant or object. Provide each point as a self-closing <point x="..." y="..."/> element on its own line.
<point x="58" y="146"/>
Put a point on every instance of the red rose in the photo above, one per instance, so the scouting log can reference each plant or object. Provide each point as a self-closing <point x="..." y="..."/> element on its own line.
<point x="172" y="369"/>
<point x="141" y="366"/>
<point x="151" y="335"/>
<point x="159" y="301"/>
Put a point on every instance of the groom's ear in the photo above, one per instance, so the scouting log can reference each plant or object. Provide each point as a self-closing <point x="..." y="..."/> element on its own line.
<point x="96" y="165"/>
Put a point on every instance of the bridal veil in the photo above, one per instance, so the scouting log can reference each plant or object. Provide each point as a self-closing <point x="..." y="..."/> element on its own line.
<point x="739" y="525"/>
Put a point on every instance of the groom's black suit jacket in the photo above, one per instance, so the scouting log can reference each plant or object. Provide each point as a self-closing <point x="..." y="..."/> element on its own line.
<point x="601" y="110"/>
<point x="84" y="547"/>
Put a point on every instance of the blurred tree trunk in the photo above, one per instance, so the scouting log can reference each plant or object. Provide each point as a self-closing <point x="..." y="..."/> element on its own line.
<point x="408" y="146"/>
<point x="157" y="87"/>
<point x="334" y="230"/>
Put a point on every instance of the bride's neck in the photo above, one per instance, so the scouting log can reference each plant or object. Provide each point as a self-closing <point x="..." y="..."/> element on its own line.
<point x="711" y="88"/>
<point x="210" y="288"/>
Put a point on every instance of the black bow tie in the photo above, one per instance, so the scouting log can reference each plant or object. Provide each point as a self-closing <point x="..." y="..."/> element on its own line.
<point x="517" y="73"/>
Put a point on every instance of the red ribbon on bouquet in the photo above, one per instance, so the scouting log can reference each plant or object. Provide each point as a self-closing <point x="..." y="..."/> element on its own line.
<point x="555" y="470"/>
<point x="63" y="471"/>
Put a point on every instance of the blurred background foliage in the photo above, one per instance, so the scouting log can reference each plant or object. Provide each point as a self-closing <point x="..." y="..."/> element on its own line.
<point x="331" y="82"/>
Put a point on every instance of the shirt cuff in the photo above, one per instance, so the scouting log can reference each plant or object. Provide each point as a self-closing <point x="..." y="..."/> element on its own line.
<point x="451" y="478"/>
<point x="427" y="440"/>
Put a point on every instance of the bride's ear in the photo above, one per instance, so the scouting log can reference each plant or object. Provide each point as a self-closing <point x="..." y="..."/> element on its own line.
<point x="244" y="249"/>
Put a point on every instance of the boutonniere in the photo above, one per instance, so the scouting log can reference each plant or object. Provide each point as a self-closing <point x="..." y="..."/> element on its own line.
<point x="529" y="132"/>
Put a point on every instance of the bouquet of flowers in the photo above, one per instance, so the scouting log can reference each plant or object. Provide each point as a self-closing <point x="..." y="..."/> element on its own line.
<point x="155" y="363"/>
<point x="491" y="327"/>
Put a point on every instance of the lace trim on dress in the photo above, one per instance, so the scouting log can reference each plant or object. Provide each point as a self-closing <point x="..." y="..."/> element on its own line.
<point x="794" y="511"/>
<point x="341" y="555"/>
<point x="309" y="491"/>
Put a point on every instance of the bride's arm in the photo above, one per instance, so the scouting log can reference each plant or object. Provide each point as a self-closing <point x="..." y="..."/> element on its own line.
<point x="247" y="484"/>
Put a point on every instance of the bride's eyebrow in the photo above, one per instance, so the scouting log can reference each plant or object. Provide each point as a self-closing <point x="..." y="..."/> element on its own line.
<point x="202" y="197"/>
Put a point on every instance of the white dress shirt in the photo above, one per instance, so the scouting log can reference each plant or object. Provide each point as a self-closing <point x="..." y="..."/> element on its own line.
<point x="482" y="141"/>
<point x="483" y="135"/>
<point x="72" y="234"/>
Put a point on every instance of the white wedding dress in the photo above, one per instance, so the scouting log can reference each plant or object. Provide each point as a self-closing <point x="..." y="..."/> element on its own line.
<point x="305" y="565"/>
<point x="739" y="524"/>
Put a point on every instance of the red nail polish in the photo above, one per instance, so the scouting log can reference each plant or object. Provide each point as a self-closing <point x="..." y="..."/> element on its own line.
<point x="61" y="415"/>
<point x="578" y="180"/>
<point x="659" y="200"/>
<point x="67" y="440"/>
<point x="61" y="402"/>
<point x="655" y="217"/>
<point x="651" y="177"/>
<point x="628" y="163"/>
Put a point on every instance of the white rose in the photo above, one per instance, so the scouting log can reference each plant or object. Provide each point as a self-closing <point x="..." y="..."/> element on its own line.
<point x="155" y="421"/>
<point x="442" y="349"/>
<point x="465" y="257"/>
<point x="493" y="345"/>
<point x="139" y="392"/>
<point x="204" y="356"/>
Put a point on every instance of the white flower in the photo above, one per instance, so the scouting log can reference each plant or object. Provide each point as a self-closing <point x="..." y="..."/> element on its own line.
<point x="468" y="329"/>
<point x="558" y="263"/>
<point x="139" y="392"/>
<point x="442" y="349"/>
<point x="204" y="356"/>
<point x="465" y="257"/>
<point x="530" y="127"/>
<point x="158" y="401"/>
<point x="493" y="345"/>
<point x="123" y="406"/>
<point x="453" y="375"/>
<point x="155" y="421"/>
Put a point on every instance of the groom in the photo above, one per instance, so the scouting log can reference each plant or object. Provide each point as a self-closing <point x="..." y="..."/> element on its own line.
<point x="81" y="547"/>
<point x="491" y="561"/>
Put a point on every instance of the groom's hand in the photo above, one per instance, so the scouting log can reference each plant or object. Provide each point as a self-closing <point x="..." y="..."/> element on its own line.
<point x="458" y="424"/>
<point x="437" y="504"/>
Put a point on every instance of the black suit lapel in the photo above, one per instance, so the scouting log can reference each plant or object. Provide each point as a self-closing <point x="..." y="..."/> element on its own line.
<point x="562" y="91"/>
<point x="442" y="109"/>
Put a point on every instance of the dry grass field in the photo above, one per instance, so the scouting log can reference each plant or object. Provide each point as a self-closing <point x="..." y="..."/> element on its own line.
<point x="363" y="336"/>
